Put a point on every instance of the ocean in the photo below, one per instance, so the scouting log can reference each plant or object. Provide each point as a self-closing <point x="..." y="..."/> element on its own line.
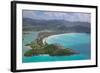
<point x="80" y="42"/>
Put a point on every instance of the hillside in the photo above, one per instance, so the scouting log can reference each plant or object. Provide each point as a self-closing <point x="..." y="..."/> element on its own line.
<point x="55" y="25"/>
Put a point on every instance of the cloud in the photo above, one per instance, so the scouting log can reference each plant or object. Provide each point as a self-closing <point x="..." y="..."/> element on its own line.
<point x="48" y="15"/>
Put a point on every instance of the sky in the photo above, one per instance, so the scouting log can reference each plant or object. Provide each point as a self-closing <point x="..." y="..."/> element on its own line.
<point x="53" y="15"/>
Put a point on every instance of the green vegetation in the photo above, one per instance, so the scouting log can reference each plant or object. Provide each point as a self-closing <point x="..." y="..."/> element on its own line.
<point x="56" y="50"/>
<point x="50" y="49"/>
<point x="38" y="48"/>
<point x="28" y="53"/>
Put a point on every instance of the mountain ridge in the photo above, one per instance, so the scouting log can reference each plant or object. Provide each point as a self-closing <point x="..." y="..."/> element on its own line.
<point x="61" y="25"/>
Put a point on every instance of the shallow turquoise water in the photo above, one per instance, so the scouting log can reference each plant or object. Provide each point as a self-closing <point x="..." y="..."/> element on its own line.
<point x="77" y="41"/>
<point x="28" y="38"/>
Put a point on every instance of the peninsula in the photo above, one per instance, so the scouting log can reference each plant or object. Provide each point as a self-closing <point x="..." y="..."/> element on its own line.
<point x="40" y="48"/>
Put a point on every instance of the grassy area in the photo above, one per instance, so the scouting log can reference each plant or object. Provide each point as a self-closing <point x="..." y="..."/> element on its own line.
<point x="39" y="48"/>
<point x="50" y="49"/>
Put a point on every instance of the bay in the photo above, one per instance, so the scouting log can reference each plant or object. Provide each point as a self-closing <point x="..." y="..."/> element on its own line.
<point x="77" y="41"/>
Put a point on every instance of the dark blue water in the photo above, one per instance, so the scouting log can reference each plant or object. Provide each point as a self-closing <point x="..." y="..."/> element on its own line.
<point x="77" y="41"/>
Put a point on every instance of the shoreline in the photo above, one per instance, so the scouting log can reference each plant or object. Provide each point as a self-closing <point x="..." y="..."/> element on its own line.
<point x="29" y="47"/>
<point x="41" y="47"/>
<point x="56" y="35"/>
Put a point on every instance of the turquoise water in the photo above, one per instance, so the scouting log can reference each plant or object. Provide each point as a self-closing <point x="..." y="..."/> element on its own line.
<point x="28" y="38"/>
<point x="77" y="41"/>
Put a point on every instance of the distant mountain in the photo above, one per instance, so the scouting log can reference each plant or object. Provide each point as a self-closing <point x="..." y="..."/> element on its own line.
<point x="57" y="25"/>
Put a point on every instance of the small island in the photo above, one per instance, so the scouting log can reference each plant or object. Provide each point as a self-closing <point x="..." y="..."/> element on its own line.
<point x="38" y="47"/>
